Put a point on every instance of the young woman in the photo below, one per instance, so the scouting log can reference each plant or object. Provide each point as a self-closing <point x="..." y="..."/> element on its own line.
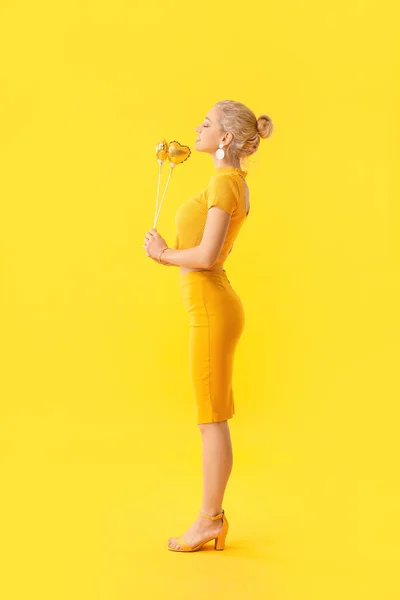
<point x="207" y="226"/>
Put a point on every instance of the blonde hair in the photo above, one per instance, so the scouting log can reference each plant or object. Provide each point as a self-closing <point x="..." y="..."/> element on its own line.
<point x="245" y="128"/>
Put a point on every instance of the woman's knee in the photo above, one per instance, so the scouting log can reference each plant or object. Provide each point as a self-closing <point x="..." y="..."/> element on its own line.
<point x="206" y="427"/>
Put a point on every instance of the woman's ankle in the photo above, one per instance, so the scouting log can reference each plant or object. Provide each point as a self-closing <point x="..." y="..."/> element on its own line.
<point x="210" y="512"/>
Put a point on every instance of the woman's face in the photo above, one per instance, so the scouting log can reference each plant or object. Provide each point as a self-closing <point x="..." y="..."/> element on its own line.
<point x="209" y="133"/>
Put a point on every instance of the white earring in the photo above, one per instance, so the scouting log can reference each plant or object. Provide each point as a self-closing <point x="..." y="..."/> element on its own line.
<point x="220" y="152"/>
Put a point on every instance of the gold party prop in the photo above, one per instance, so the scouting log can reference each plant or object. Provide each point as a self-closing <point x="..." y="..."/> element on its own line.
<point x="162" y="151"/>
<point x="176" y="154"/>
<point x="162" y="155"/>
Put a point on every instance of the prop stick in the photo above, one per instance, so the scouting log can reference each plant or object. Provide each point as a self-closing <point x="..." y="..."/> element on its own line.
<point x="162" y="199"/>
<point x="176" y="154"/>
<point x="162" y="155"/>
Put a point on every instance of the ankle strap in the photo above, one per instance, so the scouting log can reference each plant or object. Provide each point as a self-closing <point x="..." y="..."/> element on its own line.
<point x="221" y="514"/>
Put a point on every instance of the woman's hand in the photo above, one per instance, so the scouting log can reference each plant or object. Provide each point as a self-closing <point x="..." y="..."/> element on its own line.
<point x="154" y="244"/>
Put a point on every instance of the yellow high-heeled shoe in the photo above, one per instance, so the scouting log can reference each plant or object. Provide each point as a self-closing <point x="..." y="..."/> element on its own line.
<point x="219" y="543"/>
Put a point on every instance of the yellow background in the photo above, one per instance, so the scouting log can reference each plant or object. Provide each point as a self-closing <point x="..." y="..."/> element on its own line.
<point x="100" y="451"/>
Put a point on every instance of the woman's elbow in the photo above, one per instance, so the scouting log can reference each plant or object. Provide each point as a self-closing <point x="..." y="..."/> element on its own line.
<point x="209" y="263"/>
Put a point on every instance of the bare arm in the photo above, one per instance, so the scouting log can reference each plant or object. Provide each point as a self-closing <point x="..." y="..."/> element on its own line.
<point x="192" y="258"/>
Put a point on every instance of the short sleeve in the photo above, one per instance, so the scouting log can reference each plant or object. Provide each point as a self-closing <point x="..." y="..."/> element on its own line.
<point x="223" y="191"/>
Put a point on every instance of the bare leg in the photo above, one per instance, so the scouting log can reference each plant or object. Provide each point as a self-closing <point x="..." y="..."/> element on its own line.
<point x="217" y="467"/>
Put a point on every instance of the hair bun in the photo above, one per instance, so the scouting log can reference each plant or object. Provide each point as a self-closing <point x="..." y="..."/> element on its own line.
<point x="264" y="126"/>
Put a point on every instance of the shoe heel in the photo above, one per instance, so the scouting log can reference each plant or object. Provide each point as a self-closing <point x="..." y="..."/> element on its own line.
<point x="219" y="543"/>
<point x="220" y="540"/>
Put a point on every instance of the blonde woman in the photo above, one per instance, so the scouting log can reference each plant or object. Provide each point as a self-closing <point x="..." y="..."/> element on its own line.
<point x="207" y="226"/>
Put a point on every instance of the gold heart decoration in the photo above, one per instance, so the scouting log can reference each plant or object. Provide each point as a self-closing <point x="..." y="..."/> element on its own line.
<point x="177" y="153"/>
<point x="162" y="150"/>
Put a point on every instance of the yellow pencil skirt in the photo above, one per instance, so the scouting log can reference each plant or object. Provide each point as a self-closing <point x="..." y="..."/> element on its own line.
<point x="216" y="322"/>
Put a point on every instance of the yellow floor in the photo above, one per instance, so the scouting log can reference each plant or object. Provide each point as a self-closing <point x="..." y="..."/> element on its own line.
<point x="89" y="518"/>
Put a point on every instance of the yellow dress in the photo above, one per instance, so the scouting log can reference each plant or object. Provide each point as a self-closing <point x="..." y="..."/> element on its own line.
<point x="216" y="313"/>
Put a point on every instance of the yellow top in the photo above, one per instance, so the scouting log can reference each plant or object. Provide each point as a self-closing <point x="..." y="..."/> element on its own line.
<point x="227" y="190"/>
